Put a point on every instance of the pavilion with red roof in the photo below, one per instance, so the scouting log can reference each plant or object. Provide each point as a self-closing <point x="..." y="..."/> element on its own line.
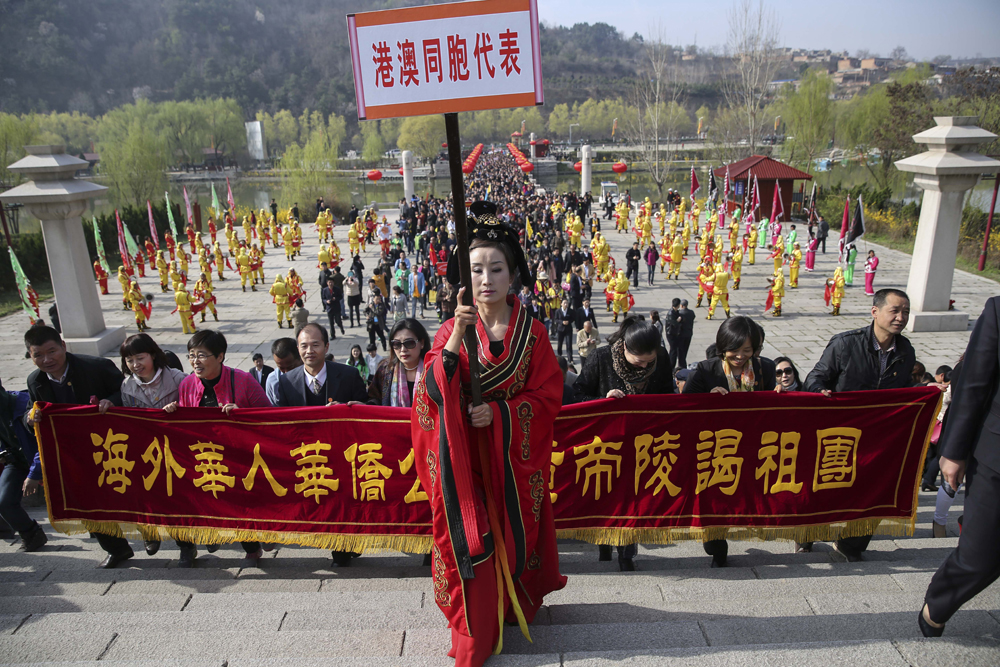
<point x="769" y="173"/>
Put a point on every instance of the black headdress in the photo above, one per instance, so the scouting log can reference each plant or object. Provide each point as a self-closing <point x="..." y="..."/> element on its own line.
<point x="484" y="225"/>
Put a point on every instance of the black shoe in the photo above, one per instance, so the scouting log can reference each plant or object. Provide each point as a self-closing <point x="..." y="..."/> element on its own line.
<point x="188" y="554"/>
<point x="928" y="487"/>
<point x="34" y="540"/>
<point x="852" y="557"/>
<point x="211" y="548"/>
<point x="342" y="558"/>
<point x="152" y="546"/>
<point x="720" y="560"/>
<point x="112" y="561"/>
<point x="427" y="560"/>
<point x="926" y="629"/>
<point x="604" y="552"/>
<point x="625" y="564"/>
<point x="253" y="559"/>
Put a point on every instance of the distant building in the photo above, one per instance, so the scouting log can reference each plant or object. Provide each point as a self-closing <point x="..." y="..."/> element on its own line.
<point x="848" y="64"/>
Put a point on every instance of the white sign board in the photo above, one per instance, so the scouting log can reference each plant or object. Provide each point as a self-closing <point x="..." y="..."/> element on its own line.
<point x="463" y="56"/>
<point x="255" y="140"/>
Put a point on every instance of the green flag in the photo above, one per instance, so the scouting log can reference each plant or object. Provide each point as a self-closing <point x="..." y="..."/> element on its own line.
<point x="100" y="248"/>
<point x="22" y="286"/>
<point x="170" y="214"/>
<point x="133" y="247"/>
<point x="215" y="204"/>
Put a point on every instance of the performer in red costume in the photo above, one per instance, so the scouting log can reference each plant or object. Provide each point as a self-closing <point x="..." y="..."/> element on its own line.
<point x="485" y="468"/>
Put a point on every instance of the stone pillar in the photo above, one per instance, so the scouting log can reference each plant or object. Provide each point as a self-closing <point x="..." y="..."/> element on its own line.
<point x="407" y="158"/>
<point x="945" y="172"/>
<point x="586" y="158"/>
<point x="58" y="199"/>
<point x="531" y="143"/>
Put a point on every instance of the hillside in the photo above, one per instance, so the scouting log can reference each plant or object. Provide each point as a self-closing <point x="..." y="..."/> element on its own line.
<point x="268" y="55"/>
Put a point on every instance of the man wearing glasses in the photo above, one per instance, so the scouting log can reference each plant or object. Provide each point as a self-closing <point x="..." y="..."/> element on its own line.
<point x="318" y="382"/>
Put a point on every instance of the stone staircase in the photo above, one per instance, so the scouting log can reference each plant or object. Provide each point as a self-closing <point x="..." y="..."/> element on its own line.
<point x="770" y="607"/>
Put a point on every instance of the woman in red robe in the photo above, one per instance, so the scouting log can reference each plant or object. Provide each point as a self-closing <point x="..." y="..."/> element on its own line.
<point x="486" y="467"/>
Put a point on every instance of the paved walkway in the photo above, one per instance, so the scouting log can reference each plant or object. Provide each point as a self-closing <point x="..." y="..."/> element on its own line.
<point x="801" y="333"/>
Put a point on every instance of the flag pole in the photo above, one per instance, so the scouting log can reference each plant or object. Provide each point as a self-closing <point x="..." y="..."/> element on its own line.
<point x="461" y="231"/>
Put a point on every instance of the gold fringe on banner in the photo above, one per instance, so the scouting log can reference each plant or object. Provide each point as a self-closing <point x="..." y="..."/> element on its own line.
<point x="895" y="527"/>
<point x="414" y="544"/>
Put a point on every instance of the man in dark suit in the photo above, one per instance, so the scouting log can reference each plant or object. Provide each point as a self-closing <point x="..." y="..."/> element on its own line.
<point x="563" y="321"/>
<point x="585" y="313"/>
<point x="823" y="232"/>
<point x="78" y="379"/>
<point x="320" y="382"/>
<point x="260" y="370"/>
<point x="970" y="448"/>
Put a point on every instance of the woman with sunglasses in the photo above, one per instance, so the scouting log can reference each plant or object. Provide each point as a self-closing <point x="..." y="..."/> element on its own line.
<point x="786" y="376"/>
<point x="396" y="377"/>
<point x="483" y="466"/>
<point x="633" y="363"/>
<point x="735" y="369"/>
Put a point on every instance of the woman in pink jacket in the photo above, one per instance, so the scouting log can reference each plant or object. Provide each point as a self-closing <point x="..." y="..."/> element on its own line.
<point x="871" y="265"/>
<point x="215" y="385"/>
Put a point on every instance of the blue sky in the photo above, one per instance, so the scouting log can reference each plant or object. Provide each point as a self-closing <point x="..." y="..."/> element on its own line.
<point x="926" y="28"/>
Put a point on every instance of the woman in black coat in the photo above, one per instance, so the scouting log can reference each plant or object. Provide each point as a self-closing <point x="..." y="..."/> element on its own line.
<point x="634" y="362"/>
<point x="737" y="368"/>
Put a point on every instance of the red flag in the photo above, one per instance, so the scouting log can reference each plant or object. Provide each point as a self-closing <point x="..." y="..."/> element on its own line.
<point x="828" y="293"/>
<point x="122" y="245"/>
<point x="187" y="205"/>
<point x="725" y="201"/>
<point x="843" y="225"/>
<point x="777" y="209"/>
<point x="229" y="197"/>
<point x="770" y="300"/>
<point x="152" y="226"/>
<point x="695" y="186"/>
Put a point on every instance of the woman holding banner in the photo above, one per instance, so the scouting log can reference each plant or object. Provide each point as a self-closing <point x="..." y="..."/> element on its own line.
<point x="485" y="467"/>
<point x="737" y="368"/>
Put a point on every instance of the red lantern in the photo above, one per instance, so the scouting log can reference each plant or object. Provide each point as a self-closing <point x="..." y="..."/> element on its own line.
<point x="467" y="168"/>
<point x="619" y="167"/>
<point x="532" y="142"/>
<point x="578" y="167"/>
<point x="400" y="171"/>
<point x="527" y="167"/>
<point x="374" y="175"/>
<point x="444" y="145"/>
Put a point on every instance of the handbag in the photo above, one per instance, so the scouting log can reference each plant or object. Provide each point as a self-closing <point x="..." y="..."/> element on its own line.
<point x="432" y="295"/>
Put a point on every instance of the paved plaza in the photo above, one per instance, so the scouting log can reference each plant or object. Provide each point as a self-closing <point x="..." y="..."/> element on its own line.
<point x="770" y="607"/>
<point x="248" y="320"/>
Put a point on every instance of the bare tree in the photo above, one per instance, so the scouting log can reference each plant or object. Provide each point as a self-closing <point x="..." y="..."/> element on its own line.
<point x="752" y="44"/>
<point x="655" y="111"/>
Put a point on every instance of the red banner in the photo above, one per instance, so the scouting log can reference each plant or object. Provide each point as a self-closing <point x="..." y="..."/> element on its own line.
<point x="652" y="469"/>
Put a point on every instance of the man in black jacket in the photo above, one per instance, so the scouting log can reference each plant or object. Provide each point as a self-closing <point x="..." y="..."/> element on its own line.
<point x="632" y="258"/>
<point x="877" y="356"/>
<point x="586" y="313"/>
<point x="685" y="334"/>
<point x="260" y="370"/>
<point x="970" y="448"/>
<point x="78" y="379"/>
<point x="672" y="330"/>
<point x="822" y="233"/>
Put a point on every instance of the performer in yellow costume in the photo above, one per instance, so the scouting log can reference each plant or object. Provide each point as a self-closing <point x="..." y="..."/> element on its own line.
<point x="621" y="211"/>
<point x="647" y="231"/>
<point x="676" y="256"/>
<point x="297" y="237"/>
<point x="260" y="234"/>
<point x="334" y="251"/>
<point x="752" y="245"/>
<point x="720" y="290"/>
<point x="246" y="272"/>
<point x="620" y="303"/>
<point x="778" y="291"/>
<point x="352" y="240"/>
<point x="322" y="226"/>
<point x="256" y="265"/>
<point x="837" y="295"/>
<point x="136" y="301"/>
<point x="736" y="267"/>
<point x="274" y="230"/>
<point x="220" y="259"/>
<point x="665" y="246"/>
<point x="161" y="268"/>
<point x="705" y="272"/>
<point x="203" y="290"/>
<point x="247" y="229"/>
<point x="288" y="237"/>
<point x="672" y="223"/>
<point x="661" y="217"/>
<point x="176" y="279"/>
<point x="686" y="235"/>
<point x="576" y="232"/>
<point x="233" y="240"/>
<point x="795" y="258"/>
<point x="183" y="301"/>
<point x="280" y="293"/>
<point x="126" y="284"/>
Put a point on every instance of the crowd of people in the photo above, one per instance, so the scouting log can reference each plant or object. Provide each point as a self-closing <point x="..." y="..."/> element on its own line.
<point x="533" y="285"/>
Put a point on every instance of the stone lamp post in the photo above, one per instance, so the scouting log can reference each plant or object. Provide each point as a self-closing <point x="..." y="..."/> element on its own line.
<point x="945" y="172"/>
<point x="58" y="199"/>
